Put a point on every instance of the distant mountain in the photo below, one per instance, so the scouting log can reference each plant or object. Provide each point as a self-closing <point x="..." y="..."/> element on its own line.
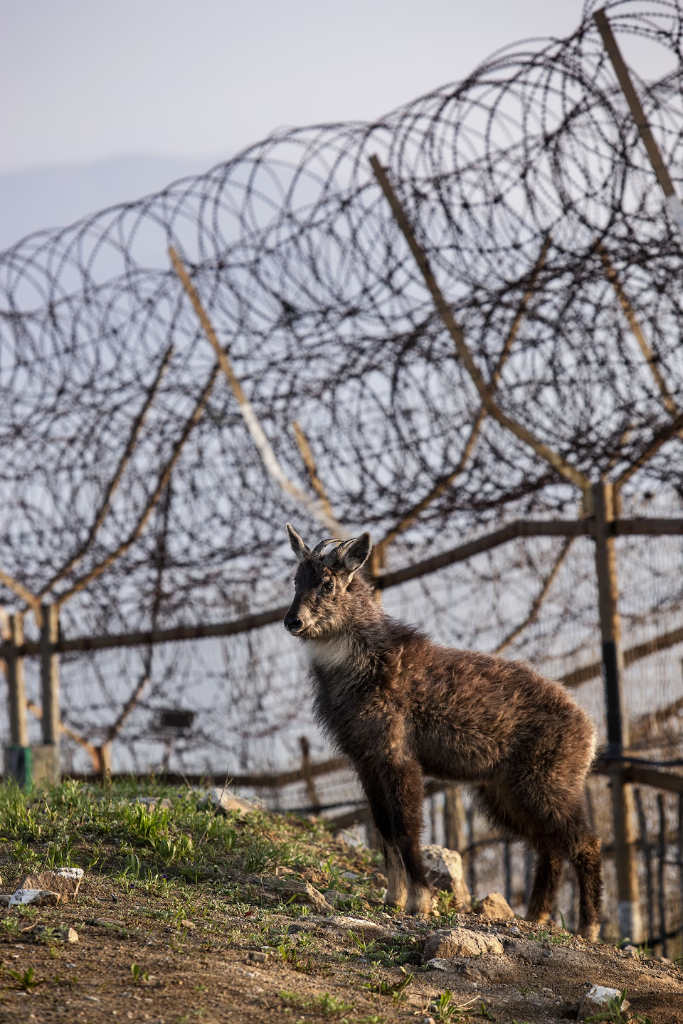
<point x="48" y="197"/>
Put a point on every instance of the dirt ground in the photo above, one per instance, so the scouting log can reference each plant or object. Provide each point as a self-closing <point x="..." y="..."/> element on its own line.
<point x="183" y="915"/>
<point x="314" y="969"/>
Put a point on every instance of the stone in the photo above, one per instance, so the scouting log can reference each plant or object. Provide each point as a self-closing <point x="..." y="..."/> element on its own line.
<point x="70" y="934"/>
<point x="282" y="872"/>
<point x="444" y="871"/>
<point x="227" y="802"/>
<point x="304" y="893"/>
<point x="187" y="924"/>
<point x="451" y="942"/>
<point x="494" y="907"/>
<point x="34" y="897"/>
<point x="349" y="875"/>
<point x="153" y="803"/>
<point x="4" y="899"/>
<point x="358" y="924"/>
<point x="439" y="964"/>
<point x="514" y="930"/>
<point x="65" y="881"/>
<point x="258" y="958"/>
<point x="333" y="896"/>
<point x="597" y="1000"/>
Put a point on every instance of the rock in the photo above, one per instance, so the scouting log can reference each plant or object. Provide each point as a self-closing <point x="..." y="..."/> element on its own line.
<point x="494" y="907"/>
<point x="152" y="803"/>
<point x="547" y="953"/>
<point x="281" y="871"/>
<point x="597" y="1000"/>
<point x="664" y="960"/>
<point x="378" y="880"/>
<point x="227" y="802"/>
<point x="304" y="893"/>
<point x="4" y="899"/>
<point x="36" y="897"/>
<point x="187" y="924"/>
<point x="258" y="958"/>
<point x="333" y="896"/>
<point x="444" y="871"/>
<point x="65" y="881"/>
<point x="460" y="942"/>
<point x="439" y="964"/>
<point x="358" y="924"/>
<point x="70" y="934"/>
<point x="514" y="930"/>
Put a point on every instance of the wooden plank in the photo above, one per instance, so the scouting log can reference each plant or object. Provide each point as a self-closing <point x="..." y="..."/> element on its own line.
<point x="520" y="528"/>
<point x="628" y="89"/>
<point x="313" y="506"/>
<point x="554" y="459"/>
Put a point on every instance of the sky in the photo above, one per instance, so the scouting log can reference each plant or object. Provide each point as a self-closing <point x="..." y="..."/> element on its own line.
<point x="84" y="80"/>
<point x="105" y="102"/>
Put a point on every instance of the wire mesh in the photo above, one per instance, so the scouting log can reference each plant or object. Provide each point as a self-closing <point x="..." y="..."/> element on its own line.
<point x="315" y="295"/>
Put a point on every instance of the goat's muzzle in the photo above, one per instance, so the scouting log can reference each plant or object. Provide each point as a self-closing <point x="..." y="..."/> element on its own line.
<point x="293" y="623"/>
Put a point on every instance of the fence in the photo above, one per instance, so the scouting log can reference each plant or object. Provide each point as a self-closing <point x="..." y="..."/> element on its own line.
<point x="459" y="327"/>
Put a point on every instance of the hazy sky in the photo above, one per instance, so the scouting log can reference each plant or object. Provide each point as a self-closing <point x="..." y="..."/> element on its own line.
<point x="86" y="79"/>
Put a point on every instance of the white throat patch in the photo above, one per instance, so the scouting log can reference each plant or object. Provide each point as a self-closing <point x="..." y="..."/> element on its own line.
<point x="330" y="653"/>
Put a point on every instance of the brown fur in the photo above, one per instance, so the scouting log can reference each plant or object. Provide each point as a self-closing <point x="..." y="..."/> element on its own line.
<point x="399" y="706"/>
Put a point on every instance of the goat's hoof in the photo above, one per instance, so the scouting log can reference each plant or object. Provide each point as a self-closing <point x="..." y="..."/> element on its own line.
<point x="397" y="902"/>
<point x="420" y="903"/>
<point x="590" y="932"/>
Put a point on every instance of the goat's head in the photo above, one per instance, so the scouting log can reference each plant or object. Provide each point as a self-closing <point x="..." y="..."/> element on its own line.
<point x="322" y="602"/>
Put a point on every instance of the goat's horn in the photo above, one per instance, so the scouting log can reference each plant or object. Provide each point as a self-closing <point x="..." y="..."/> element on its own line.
<point x="319" y="548"/>
<point x="332" y="556"/>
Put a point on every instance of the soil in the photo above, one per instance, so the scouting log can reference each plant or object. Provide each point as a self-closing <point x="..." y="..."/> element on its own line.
<point x="204" y="969"/>
<point x="174" y="926"/>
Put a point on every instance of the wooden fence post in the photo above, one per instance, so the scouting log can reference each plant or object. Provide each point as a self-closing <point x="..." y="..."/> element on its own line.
<point x="49" y="674"/>
<point x="630" y="923"/>
<point x="17" y="686"/>
<point x="454" y="819"/>
<point x="647" y="854"/>
<point x="311" y="791"/>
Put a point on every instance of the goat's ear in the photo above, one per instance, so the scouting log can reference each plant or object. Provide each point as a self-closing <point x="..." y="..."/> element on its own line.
<point x="356" y="553"/>
<point x="296" y="543"/>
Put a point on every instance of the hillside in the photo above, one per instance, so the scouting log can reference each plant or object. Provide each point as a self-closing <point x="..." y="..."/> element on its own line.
<point x="186" y="914"/>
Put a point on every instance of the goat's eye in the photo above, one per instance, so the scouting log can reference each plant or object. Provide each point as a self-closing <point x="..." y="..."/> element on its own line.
<point x="328" y="587"/>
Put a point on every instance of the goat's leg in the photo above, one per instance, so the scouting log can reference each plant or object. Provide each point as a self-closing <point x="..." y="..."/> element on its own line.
<point x="406" y="793"/>
<point x="397" y="890"/>
<point x="588" y="865"/>
<point x="395" y="794"/>
<point x="546" y="884"/>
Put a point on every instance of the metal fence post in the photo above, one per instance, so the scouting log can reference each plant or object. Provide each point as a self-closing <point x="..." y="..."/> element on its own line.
<point x="630" y="922"/>
<point x="49" y="674"/>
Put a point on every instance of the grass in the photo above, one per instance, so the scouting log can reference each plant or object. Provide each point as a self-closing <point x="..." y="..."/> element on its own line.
<point x="329" y="1006"/>
<point x="105" y="830"/>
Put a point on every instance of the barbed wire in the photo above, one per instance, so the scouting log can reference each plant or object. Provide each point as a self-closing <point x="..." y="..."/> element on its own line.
<point x="526" y="183"/>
